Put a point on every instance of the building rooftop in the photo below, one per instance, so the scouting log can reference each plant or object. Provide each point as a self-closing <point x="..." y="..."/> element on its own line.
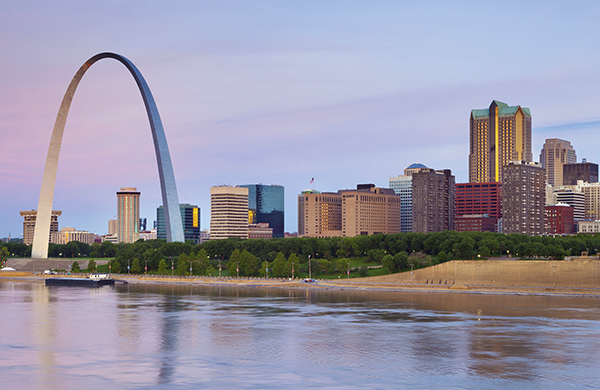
<point x="415" y="165"/>
<point x="503" y="110"/>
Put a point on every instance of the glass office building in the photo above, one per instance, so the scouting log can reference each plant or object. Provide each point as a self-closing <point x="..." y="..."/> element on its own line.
<point x="402" y="186"/>
<point x="190" y="218"/>
<point x="266" y="205"/>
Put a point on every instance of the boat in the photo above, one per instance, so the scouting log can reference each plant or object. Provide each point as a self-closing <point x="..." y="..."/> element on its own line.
<point x="94" y="280"/>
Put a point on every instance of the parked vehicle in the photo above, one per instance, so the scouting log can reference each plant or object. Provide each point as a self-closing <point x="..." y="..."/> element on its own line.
<point x="49" y="272"/>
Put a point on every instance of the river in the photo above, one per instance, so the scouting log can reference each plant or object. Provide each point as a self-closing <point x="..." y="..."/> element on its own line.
<point x="189" y="337"/>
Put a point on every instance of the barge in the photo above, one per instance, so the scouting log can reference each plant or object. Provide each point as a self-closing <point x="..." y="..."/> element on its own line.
<point x="95" y="280"/>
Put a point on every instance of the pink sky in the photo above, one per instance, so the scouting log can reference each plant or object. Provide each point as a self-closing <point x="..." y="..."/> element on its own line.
<point x="277" y="93"/>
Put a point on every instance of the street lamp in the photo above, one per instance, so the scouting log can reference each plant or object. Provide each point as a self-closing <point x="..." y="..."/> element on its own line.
<point x="238" y="268"/>
<point x="146" y="268"/>
<point x="127" y="266"/>
<point x="309" y="270"/>
<point x="349" y="271"/>
<point x="191" y="263"/>
<point x="292" y="270"/>
<point x="219" y="268"/>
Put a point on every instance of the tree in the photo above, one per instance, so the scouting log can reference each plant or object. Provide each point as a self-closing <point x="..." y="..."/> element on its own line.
<point x="107" y="249"/>
<point x="71" y="249"/>
<point x="136" y="266"/>
<point x="249" y="264"/>
<point x="465" y="249"/>
<point x="491" y="243"/>
<point x="91" y="266"/>
<point x="183" y="264"/>
<point x="234" y="262"/>
<point x="115" y="266"/>
<point x="484" y="251"/>
<point x="325" y="266"/>
<point x="264" y="266"/>
<point x="162" y="267"/>
<point x="75" y="267"/>
<point x="375" y="255"/>
<point x="210" y="270"/>
<point x="556" y="252"/>
<point x="292" y="265"/>
<point x="401" y="260"/>
<point x="363" y="271"/>
<point x="279" y="265"/>
<point x="343" y="265"/>
<point x="345" y="247"/>
<point x="419" y="260"/>
<point x="200" y="262"/>
<point x="388" y="263"/>
<point x="3" y="256"/>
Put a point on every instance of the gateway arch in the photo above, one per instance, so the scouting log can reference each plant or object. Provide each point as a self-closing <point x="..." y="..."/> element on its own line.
<point x="168" y="188"/>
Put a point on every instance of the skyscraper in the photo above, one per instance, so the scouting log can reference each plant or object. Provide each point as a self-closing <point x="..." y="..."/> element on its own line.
<point x="498" y="134"/>
<point x="402" y="186"/>
<point x="29" y="218"/>
<point x="228" y="212"/>
<point x="128" y="214"/>
<point x="555" y="153"/>
<point x="433" y="195"/>
<point x="523" y="198"/>
<point x="266" y="205"/>
<point x="190" y="218"/>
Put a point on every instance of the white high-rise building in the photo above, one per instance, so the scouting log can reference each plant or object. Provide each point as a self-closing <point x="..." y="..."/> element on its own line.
<point x="228" y="212"/>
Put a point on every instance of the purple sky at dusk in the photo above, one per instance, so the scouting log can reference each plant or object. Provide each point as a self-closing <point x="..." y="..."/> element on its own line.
<point x="278" y="92"/>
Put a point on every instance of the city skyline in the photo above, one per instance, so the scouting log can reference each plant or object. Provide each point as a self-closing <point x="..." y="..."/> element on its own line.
<point x="278" y="94"/>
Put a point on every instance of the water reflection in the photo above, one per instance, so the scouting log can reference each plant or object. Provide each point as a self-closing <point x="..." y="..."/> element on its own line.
<point x="219" y="337"/>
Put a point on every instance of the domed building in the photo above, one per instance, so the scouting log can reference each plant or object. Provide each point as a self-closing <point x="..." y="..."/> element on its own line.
<point x="413" y="167"/>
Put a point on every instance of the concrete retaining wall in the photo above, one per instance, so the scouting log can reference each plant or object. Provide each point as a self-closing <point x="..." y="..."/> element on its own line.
<point x="576" y="273"/>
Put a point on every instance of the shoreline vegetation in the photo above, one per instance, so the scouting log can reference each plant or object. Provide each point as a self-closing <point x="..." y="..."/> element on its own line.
<point x="447" y="261"/>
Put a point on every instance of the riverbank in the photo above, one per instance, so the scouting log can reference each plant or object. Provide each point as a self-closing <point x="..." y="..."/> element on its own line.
<point x="364" y="284"/>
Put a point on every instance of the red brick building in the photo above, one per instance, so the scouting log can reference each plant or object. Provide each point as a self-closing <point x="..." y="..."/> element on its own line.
<point x="476" y="200"/>
<point x="475" y="223"/>
<point x="559" y="219"/>
<point x="259" y="230"/>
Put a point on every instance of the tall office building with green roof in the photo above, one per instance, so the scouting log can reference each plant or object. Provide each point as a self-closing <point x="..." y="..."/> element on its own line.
<point x="498" y="134"/>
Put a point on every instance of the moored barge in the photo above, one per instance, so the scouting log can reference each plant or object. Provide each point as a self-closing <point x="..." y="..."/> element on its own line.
<point x="91" y="281"/>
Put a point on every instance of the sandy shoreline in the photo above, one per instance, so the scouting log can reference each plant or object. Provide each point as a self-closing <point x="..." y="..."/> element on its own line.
<point x="337" y="285"/>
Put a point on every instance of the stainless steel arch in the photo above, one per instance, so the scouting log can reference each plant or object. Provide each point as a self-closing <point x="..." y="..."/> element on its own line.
<point x="168" y="188"/>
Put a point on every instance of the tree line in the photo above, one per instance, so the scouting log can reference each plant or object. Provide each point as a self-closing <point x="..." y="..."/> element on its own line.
<point x="277" y="256"/>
